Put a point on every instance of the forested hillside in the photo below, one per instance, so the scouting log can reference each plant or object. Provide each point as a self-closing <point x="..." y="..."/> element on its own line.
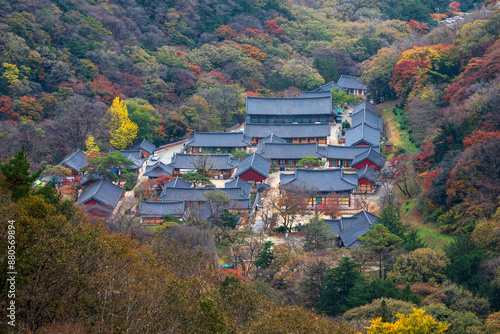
<point x="180" y="65"/>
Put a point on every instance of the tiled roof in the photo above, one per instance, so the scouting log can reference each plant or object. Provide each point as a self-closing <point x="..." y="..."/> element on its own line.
<point x="86" y="179"/>
<point x="351" y="228"/>
<point x="102" y="191"/>
<point x="371" y="155"/>
<point x="151" y="170"/>
<point x="255" y="162"/>
<point x="362" y="133"/>
<point x="151" y="209"/>
<point x="269" y="139"/>
<point x="364" y="105"/>
<point x="367" y="117"/>
<point x="329" y="86"/>
<point x="211" y="161"/>
<point x="347" y="152"/>
<point x="75" y="161"/>
<point x="219" y="139"/>
<point x="291" y="151"/>
<point x="136" y="163"/>
<point x="177" y="182"/>
<point x="288" y="106"/>
<point x="239" y="183"/>
<point x="347" y="81"/>
<point x="146" y="146"/>
<point x="287" y="130"/>
<point x="368" y="173"/>
<point x="316" y="93"/>
<point x="238" y="195"/>
<point x="137" y="154"/>
<point x="320" y="180"/>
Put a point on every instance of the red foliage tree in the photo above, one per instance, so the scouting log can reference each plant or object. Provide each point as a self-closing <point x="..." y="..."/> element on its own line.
<point x="405" y="75"/>
<point x="253" y="52"/>
<point x="255" y="33"/>
<point x="418" y="28"/>
<point x="103" y="88"/>
<point x="273" y="28"/>
<point x="6" y="110"/>
<point x="454" y="7"/>
<point x="30" y="108"/>
<point x="330" y="207"/>
<point x="479" y="69"/>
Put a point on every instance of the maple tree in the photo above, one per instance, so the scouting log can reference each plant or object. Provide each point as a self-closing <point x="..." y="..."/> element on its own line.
<point x="273" y="28"/>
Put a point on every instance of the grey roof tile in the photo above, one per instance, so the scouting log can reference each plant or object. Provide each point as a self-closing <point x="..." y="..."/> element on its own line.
<point x="291" y="151"/>
<point x="152" y="209"/>
<point x="368" y="173"/>
<point x="368" y="118"/>
<point x="329" y="86"/>
<point x="362" y="133"/>
<point x="255" y="162"/>
<point x="146" y="146"/>
<point x="219" y="139"/>
<point x="75" y="161"/>
<point x="372" y="155"/>
<point x="338" y="152"/>
<point x="287" y="130"/>
<point x="364" y="105"/>
<point x="136" y="154"/>
<point x="177" y="182"/>
<point x="288" y="106"/>
<point x="211" y="161"/>
<point x="197" y="195"/>
<point x="239" y="183"/>
<point x="157" y="169"/>
<point x="321" y="180"/>
<point x="102" y="191"/>
<point x="316" y="93"/>
<point x="347" y="81"/>
<point x="351" y="228"/>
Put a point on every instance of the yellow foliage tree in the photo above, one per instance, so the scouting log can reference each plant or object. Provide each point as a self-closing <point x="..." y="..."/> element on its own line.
<point x="122" y="130"/>
<point x="415" y="323"/>
<point x="124" y="135"/>
<point x="92" y="148"/>
<point x="11" y="73"/>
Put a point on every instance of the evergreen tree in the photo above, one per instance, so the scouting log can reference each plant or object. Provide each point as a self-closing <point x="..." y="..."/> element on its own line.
<point x="465" y="259"/>
<point x="340" y="281"/>
<point x="318" y="236"/>
<point x="18" y="178"/>
<point x="390" y="219"/>
<point x="266" y="256"/>
<point x="378" y="239"/>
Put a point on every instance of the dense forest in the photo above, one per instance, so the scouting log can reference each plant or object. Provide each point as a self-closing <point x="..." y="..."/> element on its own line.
<point x="187" y="65"/>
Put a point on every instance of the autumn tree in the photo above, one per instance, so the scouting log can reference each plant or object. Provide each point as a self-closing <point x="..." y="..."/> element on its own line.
<point x="92" y="148"/>
<point x="417" y="322"/>
<point x="330" y="206"/>
<point x="289" y="205"/>
<point x="422" y="265"/>
<point x="122" y="130"/>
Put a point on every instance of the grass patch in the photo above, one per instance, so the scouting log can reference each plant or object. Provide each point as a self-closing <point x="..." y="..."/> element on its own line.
<point x="398" y="136"/>
<point x="427" y="232"/>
